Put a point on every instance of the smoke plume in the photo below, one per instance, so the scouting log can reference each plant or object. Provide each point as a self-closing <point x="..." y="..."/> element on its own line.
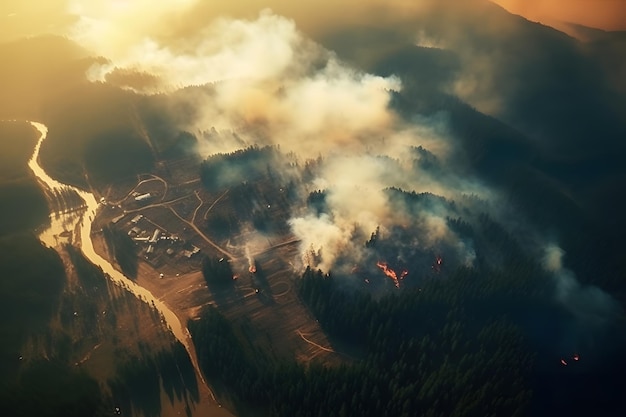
<point x="259" y="80"/>
<point x="588" y="303"/>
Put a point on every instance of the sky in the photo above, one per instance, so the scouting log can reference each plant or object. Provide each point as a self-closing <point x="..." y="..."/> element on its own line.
<point x="29" y="17"/>
<point x="602" y="14"/>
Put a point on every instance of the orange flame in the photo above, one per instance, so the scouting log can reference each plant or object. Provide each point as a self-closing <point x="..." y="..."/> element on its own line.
<point x="391" y="273"/>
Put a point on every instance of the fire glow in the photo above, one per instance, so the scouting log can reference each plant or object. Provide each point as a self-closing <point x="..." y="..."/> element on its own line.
<point x="391" y="273"/>
<point x="575" y="358"/>
<point x="437" y="264"/>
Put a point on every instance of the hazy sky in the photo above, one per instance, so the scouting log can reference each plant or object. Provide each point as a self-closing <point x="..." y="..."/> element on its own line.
<point x="604" y="14"/>
<point x="28" y="17"/>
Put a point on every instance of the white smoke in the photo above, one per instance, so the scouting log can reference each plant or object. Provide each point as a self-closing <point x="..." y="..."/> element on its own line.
<point x="264" y="82"/>
<point x="225" y="49"/>
<point x="269" y="82"/>
<point x="321" y="239"/>
<point x="588" y="303"/>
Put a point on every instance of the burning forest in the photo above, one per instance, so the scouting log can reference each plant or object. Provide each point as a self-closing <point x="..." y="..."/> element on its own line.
<point x="406" y="190"/>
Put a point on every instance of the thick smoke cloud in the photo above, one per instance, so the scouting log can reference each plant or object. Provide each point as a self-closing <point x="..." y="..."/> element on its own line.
<point x="226" y="49"/>
<point x="261" y="81"/>
<point x="266" y="77"/>
<point x="116" y="28"/>
<point x="179" y="41"/>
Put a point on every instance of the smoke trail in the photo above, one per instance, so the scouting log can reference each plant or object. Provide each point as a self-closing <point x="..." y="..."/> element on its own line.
<point x="588" y="303"/>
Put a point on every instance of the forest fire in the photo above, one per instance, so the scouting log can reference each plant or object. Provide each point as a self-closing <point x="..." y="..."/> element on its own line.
<point x="391" y="273"/>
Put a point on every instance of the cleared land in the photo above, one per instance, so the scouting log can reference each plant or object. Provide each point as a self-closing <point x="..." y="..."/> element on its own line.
<point x="263" y="306"/>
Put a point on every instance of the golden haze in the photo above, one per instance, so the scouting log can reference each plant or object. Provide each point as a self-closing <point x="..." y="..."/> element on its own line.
<point x="602" y="14"/>
<point x="20" y="18"/>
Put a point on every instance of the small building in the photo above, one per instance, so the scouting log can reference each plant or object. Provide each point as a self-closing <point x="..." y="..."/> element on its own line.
<point x="136" y="219"/>
<point x="117" y="219"/>
<point x="189" y="253"/>
<point x="150" y="249"/>
<point x="134" y="231"/>
<point x="155" y="236"/>
<point x="143" y="197"/>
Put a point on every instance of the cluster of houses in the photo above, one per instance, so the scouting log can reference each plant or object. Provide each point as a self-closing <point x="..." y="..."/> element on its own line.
<point x="153" y="237"/>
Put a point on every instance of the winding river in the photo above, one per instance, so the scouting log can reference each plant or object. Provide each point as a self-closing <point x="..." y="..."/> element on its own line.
<point x="83" y="219"/>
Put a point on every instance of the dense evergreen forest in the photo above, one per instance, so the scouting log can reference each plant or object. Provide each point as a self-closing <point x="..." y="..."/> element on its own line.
<point x="22" y="206"/>
<point x="455" y="346"/>
<point x="480" y="339"/>
<point x="138" y="381"/>
<point x="30" y="293"/>
<point x="124" y="250"/>
<point x="217" y="272"/>
<point x="422" y="357"/>
<point x="138" y="377"/>
<point x="245" y="165"/>
<point x="37" y="303"/>
<point x="463" y="347"/>
<point x="22" y="203"/>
